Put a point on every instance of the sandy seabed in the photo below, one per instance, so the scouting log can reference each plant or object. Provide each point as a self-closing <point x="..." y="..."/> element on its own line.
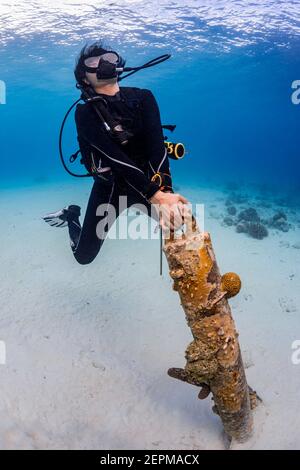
<point x="88" y="347"/>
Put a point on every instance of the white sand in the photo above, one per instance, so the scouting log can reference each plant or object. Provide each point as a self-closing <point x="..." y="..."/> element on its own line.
<point x="88" y="347"/>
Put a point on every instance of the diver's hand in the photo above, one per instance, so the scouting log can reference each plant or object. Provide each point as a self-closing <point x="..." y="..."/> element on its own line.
<point x="172" y="209"/>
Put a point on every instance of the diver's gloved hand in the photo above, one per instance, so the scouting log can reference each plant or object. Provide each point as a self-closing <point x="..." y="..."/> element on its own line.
<point x="172" y="209"/>
<point x="62" y="217"/>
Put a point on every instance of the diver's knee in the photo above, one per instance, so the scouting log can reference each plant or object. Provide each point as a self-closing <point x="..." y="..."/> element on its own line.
<point x="84" y="259"/>
<point x="86" y="256"/>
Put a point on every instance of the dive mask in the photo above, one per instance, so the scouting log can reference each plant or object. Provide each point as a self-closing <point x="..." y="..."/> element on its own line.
<point x="105" y="66"/>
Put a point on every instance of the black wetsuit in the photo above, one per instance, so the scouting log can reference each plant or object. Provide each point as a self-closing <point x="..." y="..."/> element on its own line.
<point x="131" y="166"/>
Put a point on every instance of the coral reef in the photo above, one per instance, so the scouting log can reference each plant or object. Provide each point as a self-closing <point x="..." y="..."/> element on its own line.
<point x="253" y="229"/>
<point x="231" y="210"/>
<point x="279" y="222"/>
<point x="248" y="221"/>
<point x="249" y="215"/>
<point x="231" y="284"/>
<point x="228" y="221"/>
<point x="257" y="230"/>
<point x="241" y="228"/>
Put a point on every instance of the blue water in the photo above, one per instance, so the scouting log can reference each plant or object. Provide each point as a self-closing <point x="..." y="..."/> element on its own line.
<point x="74" y="332"/>
<point x="227" y="85"/>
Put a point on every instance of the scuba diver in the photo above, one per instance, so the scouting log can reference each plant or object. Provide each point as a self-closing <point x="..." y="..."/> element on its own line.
<point x="122" y="146"/>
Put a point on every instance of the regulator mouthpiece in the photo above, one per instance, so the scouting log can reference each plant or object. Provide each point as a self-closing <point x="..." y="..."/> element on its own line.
<point x="105" y="66"/>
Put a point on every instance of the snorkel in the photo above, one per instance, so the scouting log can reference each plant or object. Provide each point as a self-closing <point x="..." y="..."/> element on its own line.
<point x="111" y="65"/>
